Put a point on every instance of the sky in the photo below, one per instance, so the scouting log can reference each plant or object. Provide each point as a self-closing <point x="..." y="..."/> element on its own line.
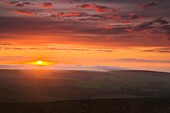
<point x="133" y="34"/>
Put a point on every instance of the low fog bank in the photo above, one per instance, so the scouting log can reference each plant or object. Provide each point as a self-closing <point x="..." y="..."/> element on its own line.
<point x="64" y="67"/>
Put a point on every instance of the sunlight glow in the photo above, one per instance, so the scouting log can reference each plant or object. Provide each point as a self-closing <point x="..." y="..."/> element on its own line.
<point x="41" y="63"/>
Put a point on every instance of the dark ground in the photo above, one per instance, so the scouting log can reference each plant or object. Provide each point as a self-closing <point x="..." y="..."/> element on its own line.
<point x="47" y="91"/>
<point x="90" y="106"/>
<point x="54" y="85"/>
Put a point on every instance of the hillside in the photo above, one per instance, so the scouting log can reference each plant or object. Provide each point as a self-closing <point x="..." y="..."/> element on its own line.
<point x="51" y="85"/>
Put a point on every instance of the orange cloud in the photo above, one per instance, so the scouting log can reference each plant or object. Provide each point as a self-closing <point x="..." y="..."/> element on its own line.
<point x="72" y="14"/>
<point x="22" y="12"/>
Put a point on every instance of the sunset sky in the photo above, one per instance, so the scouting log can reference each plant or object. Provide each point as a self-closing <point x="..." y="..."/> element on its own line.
<point x="132" y="34"/>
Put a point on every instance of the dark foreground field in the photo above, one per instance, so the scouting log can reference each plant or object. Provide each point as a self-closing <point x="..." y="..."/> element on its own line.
<point x="54" y="91"/>
<point x="53" y="85"/>
<point x="91" y="106"/>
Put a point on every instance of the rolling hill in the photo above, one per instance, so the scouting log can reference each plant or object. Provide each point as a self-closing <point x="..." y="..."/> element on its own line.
<point x="52" y="85"/>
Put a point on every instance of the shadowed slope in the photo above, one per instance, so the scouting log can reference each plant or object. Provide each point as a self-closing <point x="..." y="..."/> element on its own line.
<point x="50" y="85"/>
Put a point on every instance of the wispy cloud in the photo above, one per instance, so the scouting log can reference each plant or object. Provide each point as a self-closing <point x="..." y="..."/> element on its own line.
<point x="9" y="47"/>
<point x="142" y="60"/>
<point x="98" y="8"/>
<point x="149" y="5"/>
<point x="71" y="14"/>
<point x="47" y="5"/>
<point x="160" y="50"/>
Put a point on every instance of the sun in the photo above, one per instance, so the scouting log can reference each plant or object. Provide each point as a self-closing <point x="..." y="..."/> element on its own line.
<point x="41" y="63"/>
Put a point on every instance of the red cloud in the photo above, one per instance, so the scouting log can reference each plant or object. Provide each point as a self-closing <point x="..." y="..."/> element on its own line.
<point x="10" y="3"/>
<point x="98" y="8"/>
<point x="26" y="13"/>
<point x="47" y="5"/>
<point x="22" y="4"/>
